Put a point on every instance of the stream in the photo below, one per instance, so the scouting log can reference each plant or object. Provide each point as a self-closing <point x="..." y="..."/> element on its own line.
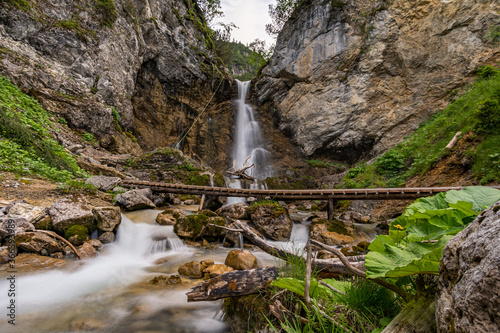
<point x="112" y="293"/>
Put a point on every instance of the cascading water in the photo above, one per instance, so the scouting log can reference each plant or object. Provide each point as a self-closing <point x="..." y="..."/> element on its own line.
<point x="248" y="145"/>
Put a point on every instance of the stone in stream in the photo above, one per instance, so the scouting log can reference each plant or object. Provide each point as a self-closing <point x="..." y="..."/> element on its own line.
<point x="241" y="260"/>
<point x="216" y="270"/>
<point x="107" y="218"/>
<point x="332" y="232"/>
<point x="107" y="237"/>
<point x="36" y="242"/>
<point x="87" y="251"/>
<point x="166" y="280"/>
<point x="192" y="269"/>
<point x="468" y="297"/>
<point x="272" y="221"/>
<point x="170" y="216"/>
<point x="136" y="199"/>
<point x="66" y="213"/>
<point x="103" y="183"/>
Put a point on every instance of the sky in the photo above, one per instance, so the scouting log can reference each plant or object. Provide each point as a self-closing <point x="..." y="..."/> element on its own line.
<point x="251" y="16"/>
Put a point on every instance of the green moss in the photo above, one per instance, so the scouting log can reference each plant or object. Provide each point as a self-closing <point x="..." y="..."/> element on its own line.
<point x="252" y="310"/>
<point x="20" y="4"/>
<point x="107" y="11"/>
<point x="196" y="224"/>
<point x="131" y="136"/>
<point x="219" y="180"/>
<point x="75" y="186"/>
<point x="272" y="206"/>
<point x="74" y="25"/>
<point x="80" y="231"/>
<point x="291" y="183"/>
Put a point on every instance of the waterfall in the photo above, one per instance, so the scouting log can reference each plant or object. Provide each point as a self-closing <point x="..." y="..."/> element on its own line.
<point x="248" y="143"/>
<point x="248" y="138"/>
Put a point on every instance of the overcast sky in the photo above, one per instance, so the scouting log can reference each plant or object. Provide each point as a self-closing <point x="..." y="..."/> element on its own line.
<point x="251" y="16"/>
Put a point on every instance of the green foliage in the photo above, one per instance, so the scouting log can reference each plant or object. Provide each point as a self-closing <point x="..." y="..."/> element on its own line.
<point x="131" y="136"/>
<point x="61" y="120"/>
<point x="369" y="298"/>
<point x="107" y="11"/>
<point x="187" y="166"/>
<point x="89" y="137"/>
<point x="73" y="24"/>
<point x="488" y="114"/>
<point x="20" y="4"/>
<point x="477" y="110"/>
<point x="416" y="239"/>
<point x="75" y="186"/>
<point x="26" y="145"/>
<point x="80" y="231"/>
<point x="281" y="12"/>
<point x="116" y="118"/>
<point x="494" y="33"/>
<point x="319" y="164"/>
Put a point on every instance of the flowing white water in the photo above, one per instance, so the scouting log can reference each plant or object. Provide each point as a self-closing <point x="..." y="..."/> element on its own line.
<point x="248" y="145"/>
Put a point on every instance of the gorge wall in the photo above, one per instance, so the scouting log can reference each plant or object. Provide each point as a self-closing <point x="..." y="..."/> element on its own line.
<point x="347" y="80"/>
<point x="135" y="74"/>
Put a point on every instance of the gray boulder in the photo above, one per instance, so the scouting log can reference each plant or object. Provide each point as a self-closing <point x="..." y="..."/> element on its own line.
<point x="107" y="218"/>
<point x="65" y="213"/>
<point x="468" y="297"/>
<point x="235" y="211"/>
<point x="107" y="237"/>
<point x="104" y="183"/>
<point x="14" y="226"/>
<point x="272" y="221"/>
<point x="136" y="199"/>
<point x="33" y="214"/>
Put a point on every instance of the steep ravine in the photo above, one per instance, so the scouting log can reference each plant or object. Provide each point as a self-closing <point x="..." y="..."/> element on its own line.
<point x="348" y="81"/>
<point x="134" y="74"/>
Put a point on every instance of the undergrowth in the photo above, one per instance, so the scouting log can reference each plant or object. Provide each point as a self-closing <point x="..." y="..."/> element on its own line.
<point x="475" y="113"/>
<point x="26" y="145"/>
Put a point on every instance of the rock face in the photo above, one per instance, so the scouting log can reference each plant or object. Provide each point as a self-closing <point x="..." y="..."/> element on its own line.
<point x="139" y="70"/>
<point x="136" y="199"/>
<point x="468" y="295"/>
<point x="272" y="221"/>
<point x="352" y="80"/>
<point x="65" y="213"/>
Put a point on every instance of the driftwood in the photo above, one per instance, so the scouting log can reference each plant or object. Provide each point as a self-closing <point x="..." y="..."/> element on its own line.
<point x="241" y="173"/>
<point x="334" y="266"/>
<point x="53" y="234"/>
<point x="453" y="141"/>
<point x="235" y="283"/>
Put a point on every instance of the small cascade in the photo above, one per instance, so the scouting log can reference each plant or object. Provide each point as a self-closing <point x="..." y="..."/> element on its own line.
<point x="248" y="146"/>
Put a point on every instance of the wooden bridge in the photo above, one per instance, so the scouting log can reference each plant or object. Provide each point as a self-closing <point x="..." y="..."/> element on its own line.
<point x="331" y="194"/>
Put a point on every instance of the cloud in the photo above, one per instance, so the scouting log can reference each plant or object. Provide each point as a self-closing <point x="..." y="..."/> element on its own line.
<point x="250" y="16"/>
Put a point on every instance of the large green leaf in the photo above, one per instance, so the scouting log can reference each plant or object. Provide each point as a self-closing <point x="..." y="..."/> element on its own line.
<point x="480" y="196"/>
<point x="316" y="290"/>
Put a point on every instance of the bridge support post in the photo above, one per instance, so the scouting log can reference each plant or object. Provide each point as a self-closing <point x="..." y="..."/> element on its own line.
<point x="331" y="208"/>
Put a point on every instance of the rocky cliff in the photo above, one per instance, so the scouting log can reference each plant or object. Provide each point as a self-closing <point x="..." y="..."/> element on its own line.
<point x="349" y="79"/>
<point x="135" y="74"/>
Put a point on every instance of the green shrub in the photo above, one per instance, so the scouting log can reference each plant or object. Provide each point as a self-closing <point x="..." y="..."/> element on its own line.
<point x="319" y="164"/>
<point x="80" y="231"/>
<point x="75" y="186"/>
<point x="486" y="72"/>
<point x="354" y="172"/>
<point x="390" y="163"/>
<point x="488" y="114"/>
<point x="89" y="137"/>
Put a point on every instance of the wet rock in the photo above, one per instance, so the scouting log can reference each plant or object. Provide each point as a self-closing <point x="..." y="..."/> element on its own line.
<point x="166" y="280"/>
<point x="162" y="261"/>
<point x="96" y="244"/>
<point x="107" y="218"/>
<point x="136" y="199"/>
<point x="35" y="242"/>
<point x="57" y="255"/>
<point x="206" y="263"/>
<point x="192" y="269"/>
<point x="241" y="260"/>
<point x="28" y="262"/>
<point x="237" y="211"/>
<point x="332" y="232"/>
<point x="87" y="251"/>
<point x="107" y="237"/>
<point x="66" y="213"/>
<point x="78" y="240"/>
<point x="468" y="296"/>
<point x="170" y="216"/>
<point x="216" y="270"/>
<point x="103" y="183"/>
<point x="272" y="221"/>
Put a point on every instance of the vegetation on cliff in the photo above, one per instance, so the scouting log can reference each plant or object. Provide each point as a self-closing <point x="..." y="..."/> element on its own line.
<point x="475" y="113"/>
<point x="26" y="142"/>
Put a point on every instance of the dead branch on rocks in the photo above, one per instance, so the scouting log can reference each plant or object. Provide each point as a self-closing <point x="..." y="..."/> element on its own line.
<point x="53" y="234"/>
<point x="241" y="173"/>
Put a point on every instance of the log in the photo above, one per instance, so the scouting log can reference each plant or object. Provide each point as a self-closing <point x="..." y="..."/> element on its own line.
<point x="53" y="234"/>
<point x="334" y="266"/>
<point x="235" y="283"/>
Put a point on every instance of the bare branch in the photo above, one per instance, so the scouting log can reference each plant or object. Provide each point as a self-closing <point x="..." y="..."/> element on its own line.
<point x="53" y="234"/>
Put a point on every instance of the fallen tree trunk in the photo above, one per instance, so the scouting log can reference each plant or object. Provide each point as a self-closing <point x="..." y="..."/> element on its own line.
<point x="235" y="283"/>
<point x="334" y="266"/>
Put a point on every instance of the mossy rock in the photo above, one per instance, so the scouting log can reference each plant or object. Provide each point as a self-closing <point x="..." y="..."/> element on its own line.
<point x="219" y="180"/>
<point x="272" y="206"/>
<point x="194" y="227"/>
<point x="334" y="226"/>
<point x="291" y="183"/>
<point x="80" y="231"/>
